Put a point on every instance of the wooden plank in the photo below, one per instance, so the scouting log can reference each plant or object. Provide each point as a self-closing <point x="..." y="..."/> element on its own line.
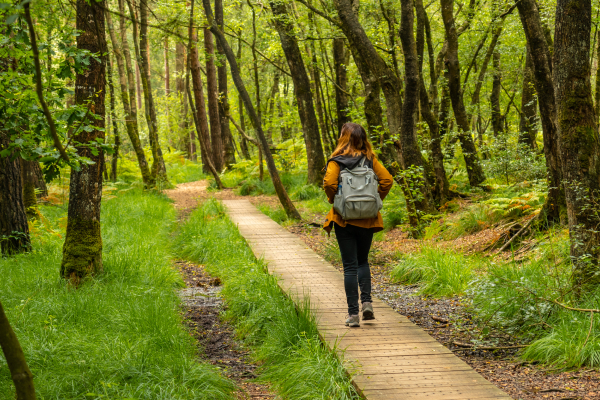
<point x="389" y="357"/>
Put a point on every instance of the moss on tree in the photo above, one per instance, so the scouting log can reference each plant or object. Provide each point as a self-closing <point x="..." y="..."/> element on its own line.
<point x="82" y="251"/>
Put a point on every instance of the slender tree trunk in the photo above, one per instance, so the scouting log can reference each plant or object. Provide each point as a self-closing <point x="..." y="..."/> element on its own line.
<point x="408" y="134"/>
<point x="316" y="77"/>
<point x="372" y="104"/>
<point x="228" y="142"/>
<point x="497" y="117"/>
<point x="243" y="141"/>
<point x="159" y="170"/>
<point x="167" y="72"/>
<point x="598" y="83"/>
<point x="340" y="62"/>
<point x="15" y="358"/>
<point x="475" y="97"/>
<point x="113" y="114"/>
<point x="527" y="130"/>
<point x="132" y="77"/>
<point x="578" y="138"/>
<point x="474" y="170"/>
<point x="287" y="204"/>
<point x="129" y="102"/>
<point x="82" y="250"/>
<point x="213" y="102"/>
<point x="306" y="110"/>
<point x="554" y="210"/>
<point x="200" y="118"/>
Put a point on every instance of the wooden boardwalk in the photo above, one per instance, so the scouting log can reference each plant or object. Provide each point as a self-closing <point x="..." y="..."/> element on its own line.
<point x="395" y="358"/>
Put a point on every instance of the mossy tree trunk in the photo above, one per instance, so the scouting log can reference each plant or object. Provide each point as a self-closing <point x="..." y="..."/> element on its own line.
<point x="15" y="358"/>
<point x="408" y="131"/>
<point x="578" y="141"/>
<point x="82" y="250"/>
<point x="539" y="44"/>
<point x="29" y="178"/>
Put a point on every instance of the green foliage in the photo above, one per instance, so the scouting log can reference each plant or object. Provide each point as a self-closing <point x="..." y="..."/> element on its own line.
<point x="119" y="335"/>
<point x="511" y="162"/>
<point x="439" y="273"/>
<point x="521" y="298"/>
<point x="283" y="337"/>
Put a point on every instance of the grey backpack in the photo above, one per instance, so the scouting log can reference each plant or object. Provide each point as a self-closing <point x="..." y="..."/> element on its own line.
<point x="357" y="195"/>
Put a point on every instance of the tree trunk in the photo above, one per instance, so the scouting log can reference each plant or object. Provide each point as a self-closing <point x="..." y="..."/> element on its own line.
<point x="113" y="114"/>
<point x="316" y="77"/>
<point x="340" y="62"/>
<point x="554" y="209"/>
<point x="408" y="135"/>
<point x="129" y="102"/>
<point x="497" y="120"/>
<point x="167" y="72"/>
<point x="228" y="143"/>
<point x="441" y="191"/>
<point x="578" y="137"/>
<point x="243" y="141"/>
<point x="598" y="83"/>
<point x="14" y="230"/>
<point x="15" y="358"/>
<point x="200" y="118"/>
<point x="527" y="130"/>
<point x="212" y="90"/>
<point x="474" y="170"/>
<point x="287" y="204"/>
<point x="159" y="170"/>
<point x="180" y="68"/>
<point x="132" y="78"/>
<point x="29" y="180"/>
<point x="310" y="126"/>
<point x="82" y="250"/>
<point x="372" y="104"/>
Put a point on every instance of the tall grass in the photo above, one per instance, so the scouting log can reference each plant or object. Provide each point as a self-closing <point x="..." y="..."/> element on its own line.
<point x="284" y="337"/>
<point x="119" y="335"/>
<point x="439" y="273"/>
<point x="519" y="297"/>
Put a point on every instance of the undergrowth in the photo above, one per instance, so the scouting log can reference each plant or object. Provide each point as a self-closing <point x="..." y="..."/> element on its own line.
<point x="525" y="297"/>
<point x="119" y="335"/>
<point x="438" y="273"/>
<point x="283" y="337"/>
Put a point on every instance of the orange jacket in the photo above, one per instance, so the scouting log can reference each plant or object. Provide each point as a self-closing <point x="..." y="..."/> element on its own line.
<point x="330" y="184"/>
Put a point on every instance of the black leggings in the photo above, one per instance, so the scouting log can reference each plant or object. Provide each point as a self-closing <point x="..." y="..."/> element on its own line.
<point x="355" y="243"/>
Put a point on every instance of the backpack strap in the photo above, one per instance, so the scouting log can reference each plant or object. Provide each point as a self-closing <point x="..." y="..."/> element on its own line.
<point x="362" y="162"/>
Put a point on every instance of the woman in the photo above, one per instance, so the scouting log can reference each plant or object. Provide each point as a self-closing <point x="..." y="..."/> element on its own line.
<point x="355" y="236"/>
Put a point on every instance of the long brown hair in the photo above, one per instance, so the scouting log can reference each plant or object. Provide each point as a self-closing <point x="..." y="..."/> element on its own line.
<point x="353" y="142"/>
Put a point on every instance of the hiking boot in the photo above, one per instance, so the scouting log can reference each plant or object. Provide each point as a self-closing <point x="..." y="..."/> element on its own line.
<point x="367" y="311"/>
<point x="353" y="321"/>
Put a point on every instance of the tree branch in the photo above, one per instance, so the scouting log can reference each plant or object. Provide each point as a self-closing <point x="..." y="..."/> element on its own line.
<point x="38" y="86"/>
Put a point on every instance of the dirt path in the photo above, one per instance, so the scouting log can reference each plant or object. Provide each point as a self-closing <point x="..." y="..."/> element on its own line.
<point x="203" y="305"/>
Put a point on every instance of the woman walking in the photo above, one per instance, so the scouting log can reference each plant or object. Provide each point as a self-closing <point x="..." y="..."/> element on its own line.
<point x="347" y="183"/>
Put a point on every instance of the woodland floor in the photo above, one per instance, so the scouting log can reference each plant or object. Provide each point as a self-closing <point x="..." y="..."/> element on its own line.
<point x="446" y="319"/>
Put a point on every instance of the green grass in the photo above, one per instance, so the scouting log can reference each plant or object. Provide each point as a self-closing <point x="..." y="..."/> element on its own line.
<point x="118" y="336"/>
<point x="517" y="297"/>
<point x="283" y="337"/>
<point x="438" y="273"/>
